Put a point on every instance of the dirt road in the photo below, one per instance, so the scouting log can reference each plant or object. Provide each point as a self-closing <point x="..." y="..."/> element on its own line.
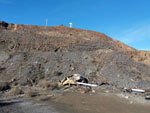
<point x="75" y="103"/>
<point x="25" y="106"/>
<point x="85" y="103"/>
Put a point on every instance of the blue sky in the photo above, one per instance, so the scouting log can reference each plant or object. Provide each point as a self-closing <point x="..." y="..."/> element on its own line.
<point x="124" y="20"/>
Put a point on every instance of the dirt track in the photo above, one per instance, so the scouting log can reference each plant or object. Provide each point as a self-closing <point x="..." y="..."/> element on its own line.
<point x="25" y="106"/>
<point x="75" y="103"/>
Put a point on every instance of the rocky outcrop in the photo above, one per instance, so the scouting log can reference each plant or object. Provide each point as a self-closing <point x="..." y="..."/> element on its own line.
<point x="8" y="26"/>
<point x="3" y="24"/>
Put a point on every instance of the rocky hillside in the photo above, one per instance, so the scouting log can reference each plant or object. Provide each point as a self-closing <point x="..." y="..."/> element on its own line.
<point x="29" y="54"/>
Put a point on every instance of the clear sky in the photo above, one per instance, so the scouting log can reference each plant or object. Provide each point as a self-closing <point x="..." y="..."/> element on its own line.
<point x="124" y="20"/>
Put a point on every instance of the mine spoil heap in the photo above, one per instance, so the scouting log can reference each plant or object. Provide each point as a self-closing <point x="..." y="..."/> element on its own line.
<point x="29" y="54"/>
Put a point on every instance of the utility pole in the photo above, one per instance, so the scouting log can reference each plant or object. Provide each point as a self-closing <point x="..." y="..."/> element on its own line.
<point x="70" y="24"/>
<point x="46" y="22"/>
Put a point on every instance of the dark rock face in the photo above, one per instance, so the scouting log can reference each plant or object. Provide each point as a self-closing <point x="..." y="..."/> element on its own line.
<point x="3" y="24"/>
<point x="29" y="54"/>
<point x="4" y="86"/>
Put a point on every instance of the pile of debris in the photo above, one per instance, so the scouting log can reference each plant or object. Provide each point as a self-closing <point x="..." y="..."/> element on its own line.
<point x="75" y="79"/>
<point x="146" y="92"/>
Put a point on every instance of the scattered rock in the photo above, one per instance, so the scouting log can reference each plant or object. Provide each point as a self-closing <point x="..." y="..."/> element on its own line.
<point x="105" y="82"/>
<point x="93" y="91"/>
<point x="147" y="97"/>
<point x="83" y="91"/>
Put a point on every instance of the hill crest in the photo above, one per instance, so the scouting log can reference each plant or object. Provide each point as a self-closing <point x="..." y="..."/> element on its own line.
<point x="46" y="38"/>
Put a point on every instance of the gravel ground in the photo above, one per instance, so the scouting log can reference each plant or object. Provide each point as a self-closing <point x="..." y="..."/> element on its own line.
<point x="80" y="103"/>
<point x="25" y="106"/>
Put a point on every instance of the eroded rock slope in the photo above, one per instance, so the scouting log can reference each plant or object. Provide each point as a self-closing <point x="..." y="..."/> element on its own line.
<point x="29" y="54"/>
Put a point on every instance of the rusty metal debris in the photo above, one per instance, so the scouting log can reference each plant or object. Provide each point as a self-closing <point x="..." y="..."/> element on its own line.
<point x="127" y="89"/>
<point x="135" y="90"/>
<point x="105" y="82"/>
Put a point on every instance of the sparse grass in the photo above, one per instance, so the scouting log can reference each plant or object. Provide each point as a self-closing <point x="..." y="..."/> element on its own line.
<point x="44" y="97"/>
<point x="54" y="86"/>
<point x="44" y="84"/>
<point x="30" y="93"/>
<point x="92" y="76"/>
<point x="47" y="84"/>
<point x="16" y="91"/>
<point x="4" y="86"/>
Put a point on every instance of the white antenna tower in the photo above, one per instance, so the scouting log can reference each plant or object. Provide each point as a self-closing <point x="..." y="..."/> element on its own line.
<point x="46" y="22"/>
<point x="70" y="24"/>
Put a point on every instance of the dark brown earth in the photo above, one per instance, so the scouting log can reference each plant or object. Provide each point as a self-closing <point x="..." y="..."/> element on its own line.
<point x="38" y="57"/>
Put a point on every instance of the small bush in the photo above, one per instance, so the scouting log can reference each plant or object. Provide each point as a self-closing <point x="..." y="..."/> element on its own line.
<point x="30" y="93"/>
<point x="54" y="86"/>
<point x="48" y="84"/>
<point x="44" y="97"/>
<point x="16" y="91"/>
<point x="44" y="84"/>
